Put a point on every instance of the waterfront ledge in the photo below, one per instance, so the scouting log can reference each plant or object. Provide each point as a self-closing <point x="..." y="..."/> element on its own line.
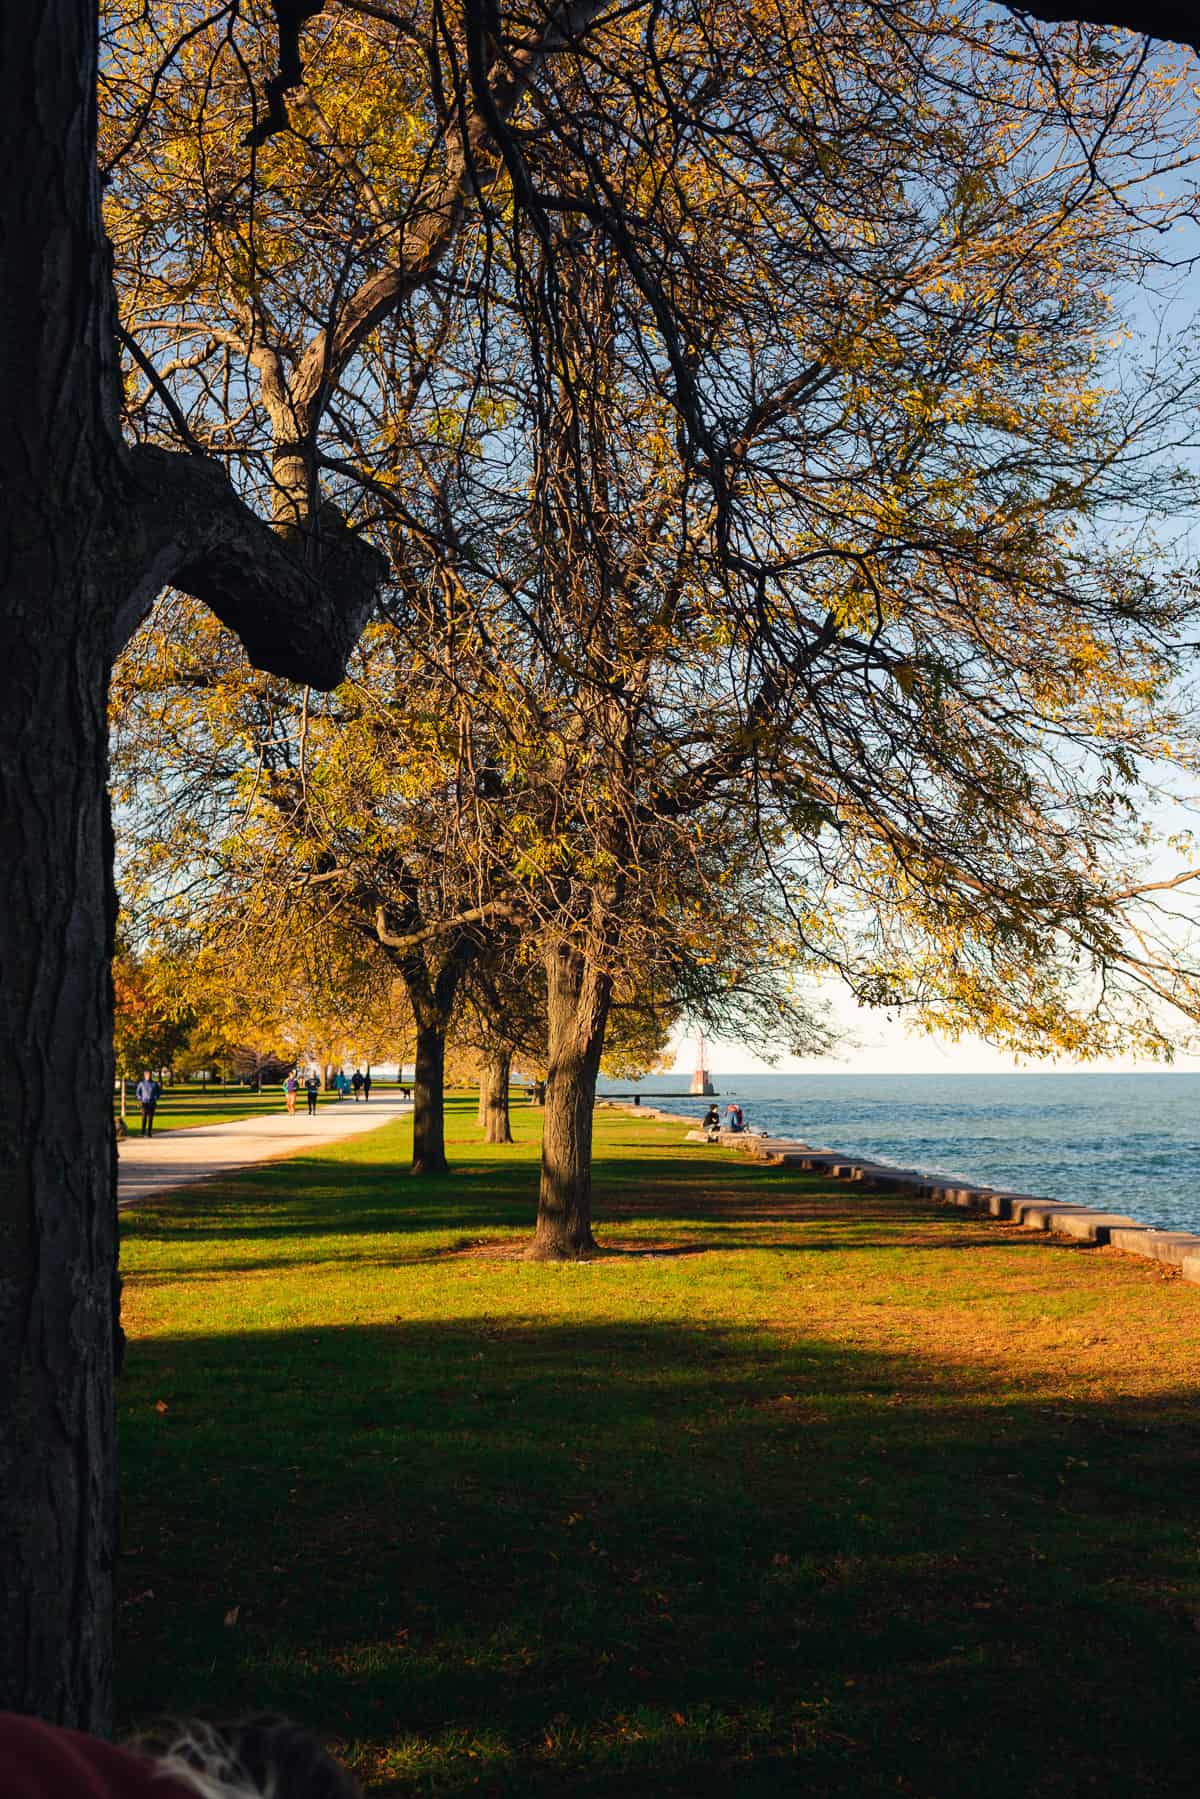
<point x="1031" y="1211"/>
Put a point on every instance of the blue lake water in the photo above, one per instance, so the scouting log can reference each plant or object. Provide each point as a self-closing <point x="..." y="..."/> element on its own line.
<point x="1127" y="1141"/>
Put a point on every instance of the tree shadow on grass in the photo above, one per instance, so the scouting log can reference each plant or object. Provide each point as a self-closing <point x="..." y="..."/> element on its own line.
<point x="613" y="1249"/>
<point x="332" y="1210"/>
<point x="306" y="1197"/>
<point x="504" y="1556"/>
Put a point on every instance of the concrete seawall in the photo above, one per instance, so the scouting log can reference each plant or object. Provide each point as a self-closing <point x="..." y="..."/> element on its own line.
<point x="1032" y="1211"/>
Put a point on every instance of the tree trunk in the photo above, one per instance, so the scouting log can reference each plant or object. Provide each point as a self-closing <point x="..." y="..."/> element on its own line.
<point x="577" y="1002"/>
<point x="90" y="533"/>
<point x="429" y="1112"/>
<point x="493" y="1096"/>
<point x="58" y="1288"/>
<point x="431" y="995"/>
<point x="60" y="475"/>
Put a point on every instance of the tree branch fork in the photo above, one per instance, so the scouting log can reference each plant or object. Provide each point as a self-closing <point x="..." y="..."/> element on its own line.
<point x="297" y="599"/>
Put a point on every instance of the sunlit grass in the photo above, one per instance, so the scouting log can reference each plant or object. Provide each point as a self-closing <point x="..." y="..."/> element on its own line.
<point x="184" y="1106"/>
<point x="802" y="1489"/>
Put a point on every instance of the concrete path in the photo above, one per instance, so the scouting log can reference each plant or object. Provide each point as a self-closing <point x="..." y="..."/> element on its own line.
<point x="181" y="1158"/>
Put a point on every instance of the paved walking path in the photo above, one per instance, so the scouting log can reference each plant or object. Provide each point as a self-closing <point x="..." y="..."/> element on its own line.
<point x="180" y="1158"/>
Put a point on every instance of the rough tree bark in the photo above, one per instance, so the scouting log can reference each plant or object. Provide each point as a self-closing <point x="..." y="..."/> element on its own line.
<point x="429" y="1097"/>
<point x="493" y="1095"/>
<point x="61" y="486"/>
<point x="90" y="532"/>
<point x="578" y="995"/>
<point x="431" y="994"/>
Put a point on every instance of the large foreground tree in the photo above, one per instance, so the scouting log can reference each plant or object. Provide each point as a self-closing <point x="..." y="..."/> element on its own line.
<point x="91" y="530"/>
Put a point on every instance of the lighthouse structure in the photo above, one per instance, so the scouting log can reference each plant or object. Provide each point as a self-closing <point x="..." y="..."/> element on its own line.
<point x="701" y="1085"/>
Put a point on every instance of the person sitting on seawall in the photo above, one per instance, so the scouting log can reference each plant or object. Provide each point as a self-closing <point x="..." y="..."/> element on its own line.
<point x="267" y="1756"/>
<point x="734" y="1120"/>
<point x="711" y="1122"/>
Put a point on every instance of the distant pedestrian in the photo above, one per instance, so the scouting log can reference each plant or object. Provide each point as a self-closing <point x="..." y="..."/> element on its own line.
<point x="367" y="1085"/>
<point x="148" y="1091"/>
<point x="312" y="1087"/>
<point x="356" y="1081"/>
<point x="341" y="1083"/>
<point x="291" y="1087"/>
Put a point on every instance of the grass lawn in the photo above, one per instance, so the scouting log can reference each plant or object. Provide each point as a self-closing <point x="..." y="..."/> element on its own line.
<point x="181" y="1107"/>
<point x="799" y="1490"/>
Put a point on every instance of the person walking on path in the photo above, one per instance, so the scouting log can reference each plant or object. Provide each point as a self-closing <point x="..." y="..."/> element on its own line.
<point x="312" y="1087"/>
<point x="167" y="1162"/>
<point x="367" y="1084"/>
<point x="356" y="1081"/>
<point x="291" y="1087"/>
<point x="148" y="1091"/>
<point x="341" y="1083"/>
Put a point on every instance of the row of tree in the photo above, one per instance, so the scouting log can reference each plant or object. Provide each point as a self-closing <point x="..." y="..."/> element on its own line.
<point x="238" y="1009"/>
<point x="748" y="616"/>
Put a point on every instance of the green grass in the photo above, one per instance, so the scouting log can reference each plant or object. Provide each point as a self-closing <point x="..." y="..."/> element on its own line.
<point x="182" y="1107"/>
<point x="801" y="1490"/>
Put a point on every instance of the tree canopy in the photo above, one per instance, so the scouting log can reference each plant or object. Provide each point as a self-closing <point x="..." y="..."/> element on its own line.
<point x="752" y="480"/>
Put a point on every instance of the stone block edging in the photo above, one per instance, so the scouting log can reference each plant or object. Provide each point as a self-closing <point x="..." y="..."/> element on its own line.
<point x="1091" y="1224"/>
<point x="1031" y="1211"/>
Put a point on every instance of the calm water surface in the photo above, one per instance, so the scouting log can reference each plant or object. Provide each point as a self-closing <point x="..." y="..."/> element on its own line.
<point x="1128" y="1141"/>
